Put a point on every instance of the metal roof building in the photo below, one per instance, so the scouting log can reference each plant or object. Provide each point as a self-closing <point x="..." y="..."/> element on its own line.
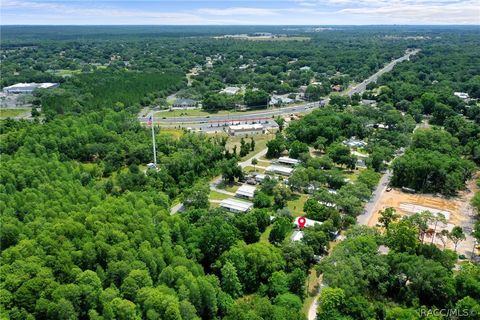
<point x="246" y="129"/>
<point x="230" y="90"/>
<point x="29" y="87"/>
<point x="234" y="205"/>
<point x="288" y="160"/>
<point x="285" y="171"/>
<point x="246" y="191"/>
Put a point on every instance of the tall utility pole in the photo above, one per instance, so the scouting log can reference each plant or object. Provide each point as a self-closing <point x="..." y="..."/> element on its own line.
<point x="153" y="141"/>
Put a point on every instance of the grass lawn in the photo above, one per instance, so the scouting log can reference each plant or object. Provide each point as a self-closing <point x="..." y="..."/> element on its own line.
<point x="312" y="287"/>
<point x="181" y="113"/>
<point x="214" y="205"/>
<point x="214" y="195"/>
<point x="260" y="143"/>
<point x="176" y="133"/>
<point x="7" y="113"/>
<point x="266" y="234"/>
<point x="233" y="187"/>
<point x="296" y="204"/>
<point x="176" y="201"/>
<point x="66" y="72"/>
<point x="353" y="175"/>
<point x="249" y="169"/>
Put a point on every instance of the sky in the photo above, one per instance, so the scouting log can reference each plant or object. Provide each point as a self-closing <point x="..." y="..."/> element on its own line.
<point x="239" y="12"/>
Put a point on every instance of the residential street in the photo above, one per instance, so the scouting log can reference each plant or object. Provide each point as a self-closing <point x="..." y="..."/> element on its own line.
<point x="364" y="218"/>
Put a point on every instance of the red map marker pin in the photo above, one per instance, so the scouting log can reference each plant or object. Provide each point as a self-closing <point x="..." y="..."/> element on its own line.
<point x="301" y="222"/>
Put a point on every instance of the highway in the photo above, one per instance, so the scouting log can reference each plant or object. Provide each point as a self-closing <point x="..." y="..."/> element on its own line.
<point x="361" y="87"/>
<point x="216" y="123"/>
<point x="237" y="117"/>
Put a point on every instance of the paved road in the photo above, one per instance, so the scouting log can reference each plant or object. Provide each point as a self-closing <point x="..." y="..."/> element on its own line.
<point x="365" y="217"/>
<point x="213" y="185"/>
<point x="377" y="194"/>
<point x="261" y="115"/>
<point x="257" y="156"/>
<point x="215" y="122"/>
<point x="359" y="88"/>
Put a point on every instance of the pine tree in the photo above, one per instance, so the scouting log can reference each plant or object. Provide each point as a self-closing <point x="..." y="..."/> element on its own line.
<point x="230" y="282"/>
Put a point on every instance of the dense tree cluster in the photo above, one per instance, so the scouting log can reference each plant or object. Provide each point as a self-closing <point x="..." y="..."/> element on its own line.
<point x="432" y="164"/>
<point x="86" y="229"/>
<point x="411" y="277"/>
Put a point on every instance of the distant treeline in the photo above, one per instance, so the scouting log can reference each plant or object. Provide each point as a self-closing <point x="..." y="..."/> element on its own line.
<point x="103" y="89"/>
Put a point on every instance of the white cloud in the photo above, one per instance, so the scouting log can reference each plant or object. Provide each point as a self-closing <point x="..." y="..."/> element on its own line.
<point x="453" y="13"/>
<point x="298" y="12"/>
<point x="238" y="11"/>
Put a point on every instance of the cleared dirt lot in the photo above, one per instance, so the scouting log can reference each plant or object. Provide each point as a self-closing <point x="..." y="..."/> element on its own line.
<point x="457" y="210"/>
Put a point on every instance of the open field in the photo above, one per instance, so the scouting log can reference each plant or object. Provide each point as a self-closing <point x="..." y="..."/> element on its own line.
<point x="229" y="187"/>
<point x="187" y="113"/>
<point x="66" y="72"/>
<point x="214" y="195"/>
<point x="266" y="234"/>
<point x="296" y="205"/>
<point x="260" y="144"/>
<point x="8" y="113"/>
<point x="177" y="133"/>
<point x="457" y="211"/>
<point x="263" y="38"/>
<point x="249" y="169"/>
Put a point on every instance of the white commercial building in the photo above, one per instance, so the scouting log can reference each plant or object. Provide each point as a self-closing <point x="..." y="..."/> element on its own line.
<point x="284" y="171"/>
<point x="245" y="191"/>
<point x="29" y="87"/>
<point x="288" y="160"/>
<point x="234" y="205"/>
<point x="246" y="129"/>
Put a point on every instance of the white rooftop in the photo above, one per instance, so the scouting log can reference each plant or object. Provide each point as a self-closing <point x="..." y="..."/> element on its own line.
<point x="328" y="204"/>
<point x="256" y="126"/>
<point x="297" y="236"/>
<point x="308" y="222"/>
<point x="236" y="205"/>
<point x="461" y="95"/>
<point x="230" y="90"/>
<point x="279" y="169"/>
<point x="288" y="160"/>
<point x="352" y="142"/>
<point x="246" y="191"/>
<point x="31" y="85"/>
<point x="260" y="176"/>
